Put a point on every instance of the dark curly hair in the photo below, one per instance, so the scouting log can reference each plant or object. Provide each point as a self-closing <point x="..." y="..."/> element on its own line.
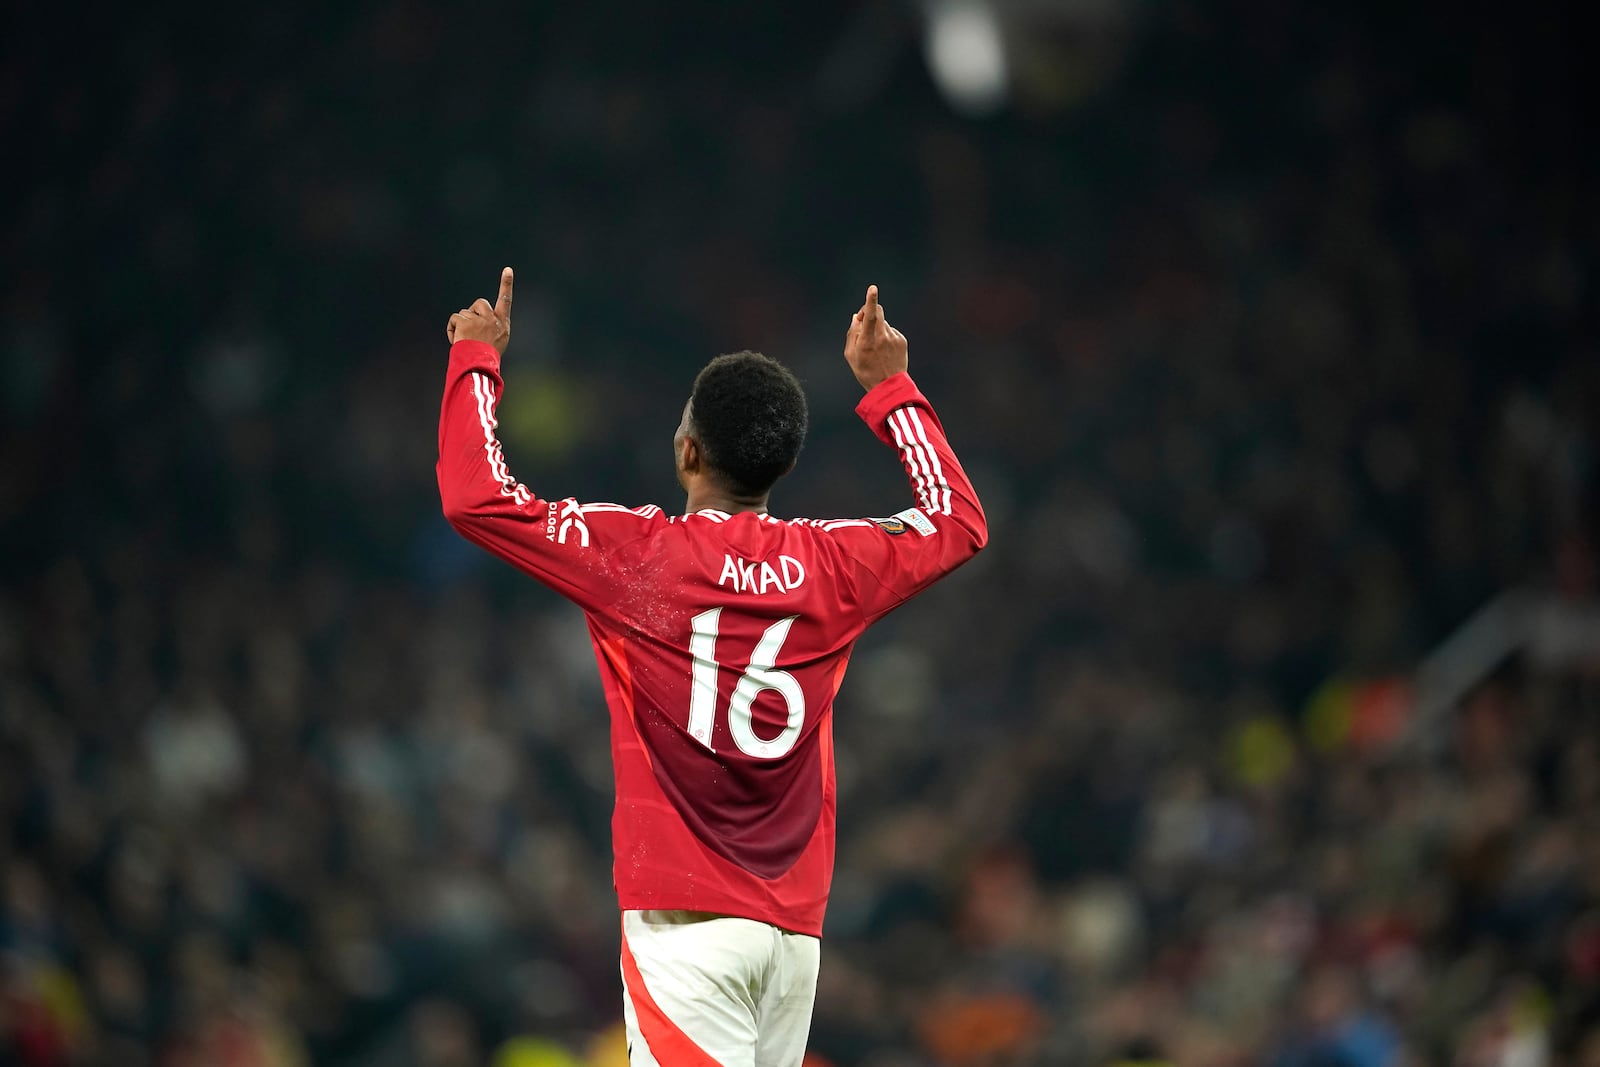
<point x="749" y="415"/>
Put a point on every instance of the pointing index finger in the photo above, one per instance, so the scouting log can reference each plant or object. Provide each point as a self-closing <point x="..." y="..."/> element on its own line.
<point x="871" y="306"/>
<point x="502" y="303"/>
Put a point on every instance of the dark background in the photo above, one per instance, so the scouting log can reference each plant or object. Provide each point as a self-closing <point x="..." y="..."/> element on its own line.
<point x="1266" y="331"/>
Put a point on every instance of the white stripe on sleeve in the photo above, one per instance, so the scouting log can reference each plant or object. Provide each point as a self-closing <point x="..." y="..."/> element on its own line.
<point x="905" y="437"/>
<point x="509" y="486"/>
<point x="942" y="503"/>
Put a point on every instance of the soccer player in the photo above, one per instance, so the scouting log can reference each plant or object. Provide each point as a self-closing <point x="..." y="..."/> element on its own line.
<point x="722" y="635"/>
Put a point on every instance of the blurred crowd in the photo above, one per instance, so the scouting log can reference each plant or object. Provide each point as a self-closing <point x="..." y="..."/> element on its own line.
<point x="1266" y="332"/>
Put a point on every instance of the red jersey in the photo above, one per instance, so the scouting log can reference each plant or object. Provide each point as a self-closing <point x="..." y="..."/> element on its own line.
<point x="721" y="641"/>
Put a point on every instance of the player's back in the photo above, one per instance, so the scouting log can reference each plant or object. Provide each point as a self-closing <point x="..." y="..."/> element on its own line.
<point x="724" y="652"/>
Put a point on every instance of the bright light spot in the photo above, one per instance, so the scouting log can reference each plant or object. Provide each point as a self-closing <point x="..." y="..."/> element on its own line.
<point x="967" y="56"/>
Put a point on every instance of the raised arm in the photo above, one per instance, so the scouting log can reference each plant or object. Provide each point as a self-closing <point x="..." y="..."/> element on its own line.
<point x="898" y="557"/>
<point x="564" y="544"/>
<point x="474" y="483"/>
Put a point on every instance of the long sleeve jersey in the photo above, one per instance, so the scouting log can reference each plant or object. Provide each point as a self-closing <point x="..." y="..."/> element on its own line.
<point x="721" y="640"/>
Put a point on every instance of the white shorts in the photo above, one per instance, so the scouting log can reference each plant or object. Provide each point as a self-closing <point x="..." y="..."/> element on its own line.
<point x="702" y="990"/>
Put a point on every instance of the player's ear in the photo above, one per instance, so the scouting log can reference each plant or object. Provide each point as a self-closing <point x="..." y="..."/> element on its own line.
<point x="689" y="455"/>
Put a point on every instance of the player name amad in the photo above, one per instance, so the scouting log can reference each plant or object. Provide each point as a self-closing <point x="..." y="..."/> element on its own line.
<point x="745" y="576"/>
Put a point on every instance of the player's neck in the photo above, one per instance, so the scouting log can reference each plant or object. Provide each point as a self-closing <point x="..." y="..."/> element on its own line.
<point x="703" y="498"/>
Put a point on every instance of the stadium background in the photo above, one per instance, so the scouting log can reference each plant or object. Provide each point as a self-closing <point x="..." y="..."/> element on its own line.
<point x="1267" y="331"/>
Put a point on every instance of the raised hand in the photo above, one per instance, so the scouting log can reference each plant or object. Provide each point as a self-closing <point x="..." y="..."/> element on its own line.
<point x="480" y="322"/>
<point x="875" y="350"/>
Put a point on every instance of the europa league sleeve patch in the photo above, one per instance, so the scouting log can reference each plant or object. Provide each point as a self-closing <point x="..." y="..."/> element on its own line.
<point x="911" y="518"/>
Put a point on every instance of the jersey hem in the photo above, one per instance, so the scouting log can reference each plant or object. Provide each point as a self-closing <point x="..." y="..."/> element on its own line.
<point x="722" y="906"/>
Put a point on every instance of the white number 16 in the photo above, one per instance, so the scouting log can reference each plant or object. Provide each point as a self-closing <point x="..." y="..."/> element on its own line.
<point x="759" y="676"/>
